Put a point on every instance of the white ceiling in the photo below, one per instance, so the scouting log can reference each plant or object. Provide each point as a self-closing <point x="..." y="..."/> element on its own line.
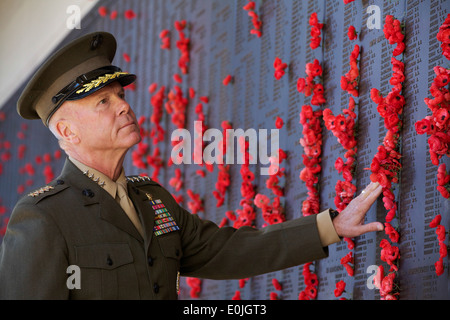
<point x="29" y="31"/>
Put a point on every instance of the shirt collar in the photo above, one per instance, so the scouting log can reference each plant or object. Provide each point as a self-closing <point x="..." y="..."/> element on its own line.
<point x="102" y="180"/>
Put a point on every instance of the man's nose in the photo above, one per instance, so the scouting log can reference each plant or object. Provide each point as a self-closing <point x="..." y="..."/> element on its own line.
<point x="124" y="107"/>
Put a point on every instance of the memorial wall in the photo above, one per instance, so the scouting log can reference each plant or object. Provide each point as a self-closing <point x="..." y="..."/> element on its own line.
<point x="334" y="108"/>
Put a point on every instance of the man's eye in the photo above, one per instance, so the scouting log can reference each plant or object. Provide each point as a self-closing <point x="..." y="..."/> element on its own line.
<point x="103" y="101"/>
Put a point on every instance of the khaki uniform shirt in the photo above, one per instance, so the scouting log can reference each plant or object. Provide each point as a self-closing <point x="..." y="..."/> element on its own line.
<point x="74" y="221"/>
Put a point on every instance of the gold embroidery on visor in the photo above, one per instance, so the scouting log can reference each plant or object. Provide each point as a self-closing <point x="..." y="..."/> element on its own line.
<point x="100" y="80"/>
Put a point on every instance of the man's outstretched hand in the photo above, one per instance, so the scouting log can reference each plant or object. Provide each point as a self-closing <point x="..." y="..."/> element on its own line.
<point x="350" y="222"/>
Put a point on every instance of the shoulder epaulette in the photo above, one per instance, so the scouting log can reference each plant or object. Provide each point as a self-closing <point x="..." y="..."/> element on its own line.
<point x="50" y="189"/>
<point x="40" y="191"/>
<point x="134" y="179"/>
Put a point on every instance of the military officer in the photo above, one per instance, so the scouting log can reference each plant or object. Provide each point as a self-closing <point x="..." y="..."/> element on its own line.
<point x="127" y="236"/>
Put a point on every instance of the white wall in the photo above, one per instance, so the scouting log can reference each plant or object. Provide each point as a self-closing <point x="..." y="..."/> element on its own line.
<point x="29" y="31"/>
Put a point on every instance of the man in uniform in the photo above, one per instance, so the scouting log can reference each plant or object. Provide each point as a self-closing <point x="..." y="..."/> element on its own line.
<point x="127" y="236"/>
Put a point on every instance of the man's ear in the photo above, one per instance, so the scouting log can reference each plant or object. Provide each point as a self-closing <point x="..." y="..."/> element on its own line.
<point x="67" y="132"/>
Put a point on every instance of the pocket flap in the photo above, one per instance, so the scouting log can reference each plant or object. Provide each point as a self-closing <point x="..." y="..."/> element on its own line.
<point x="103" y="256"/>
<point x="170" y="246"/>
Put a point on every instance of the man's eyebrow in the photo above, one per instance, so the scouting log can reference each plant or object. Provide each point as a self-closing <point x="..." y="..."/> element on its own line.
<point x="101" y="95"/>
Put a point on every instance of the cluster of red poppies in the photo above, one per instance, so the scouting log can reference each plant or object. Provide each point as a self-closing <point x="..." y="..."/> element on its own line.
<point x="443" y="181"/>
<point x="437" y="125"/>
<point x="198" y="142"/>
<point x="279" y="67"/>
<point x="390" y="254"/>
<point x="164" y="35"/>
<point x="312" y="148"/>
<point x="222" y="184"/>
<point x="348" y="262"/>
<point x="176" y="105"/>
<point x="393" y="31"/>
<point x="311" y="142"/>
<point x="128" y="14"/>
<point x="256" y="21"/>
<point x="246" y="215"/>
<point x="155" y="161"/>
<point x="441" y="234"/>
<point x="176" y="182"/>
<point x="444" y="37"/>
<point x="29" y="168"/>
<point x="140" y="155"/>
<point x="386" y="284"/>
<point x="386" y="166"/>
<point x="196" y="286"/>
<point x="309" y="86"/>
<point x="316" y="31"/>
<point x="272" y="213"/>
<point x="157" y="103"/>
<point x="223" y="177"/>
<point x="343" y="128"/>
<point x="311" y="283"/>
<point x="340" y="288"/>
<point x="195" y="205"/>
<point x="278" y="287"/>
<point x="350" y="81"/>
<point x="182" y="45"/>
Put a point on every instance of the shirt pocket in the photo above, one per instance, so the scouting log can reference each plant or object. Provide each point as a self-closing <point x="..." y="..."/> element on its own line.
<point x="107" y="271"/>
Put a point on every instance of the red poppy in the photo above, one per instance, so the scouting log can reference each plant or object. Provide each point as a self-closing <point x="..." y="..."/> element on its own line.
<point x="227" y="80"/>
<point x="279" y="123"/>
<point x="436" y="221"/>
<point x="280" y="67"/>
<point x="387" y="284"/>
<point x="376" y="96"/>
<point x="391" y="232"/>
<point x="130" y="14"/>
<point x="314" y="69"/>
<point x="102" y="11"/>
<point x="423" y="126"/>
<point x="315" y="42"/>
<point x="389" y="254"/>
<point x="276" y="284"/>
<point x="439" y="266"/>
<point x="439" y="143"/>
<point x="440" y="232"/>
<point x="249" y="6"/>
<point x="351" y="33"/>
<point x="340" y="288"/>
<point x="442" y="249"/>
<point x="444" y="37"/>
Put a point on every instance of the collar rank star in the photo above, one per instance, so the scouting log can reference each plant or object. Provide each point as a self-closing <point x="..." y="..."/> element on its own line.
<point x="164" y="222"/>
<point x="93" y="178"/>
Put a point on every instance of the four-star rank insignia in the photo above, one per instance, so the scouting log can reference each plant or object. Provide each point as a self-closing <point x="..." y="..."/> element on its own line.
<point x="40" y="191"/>
<point x="164" y="222"/>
